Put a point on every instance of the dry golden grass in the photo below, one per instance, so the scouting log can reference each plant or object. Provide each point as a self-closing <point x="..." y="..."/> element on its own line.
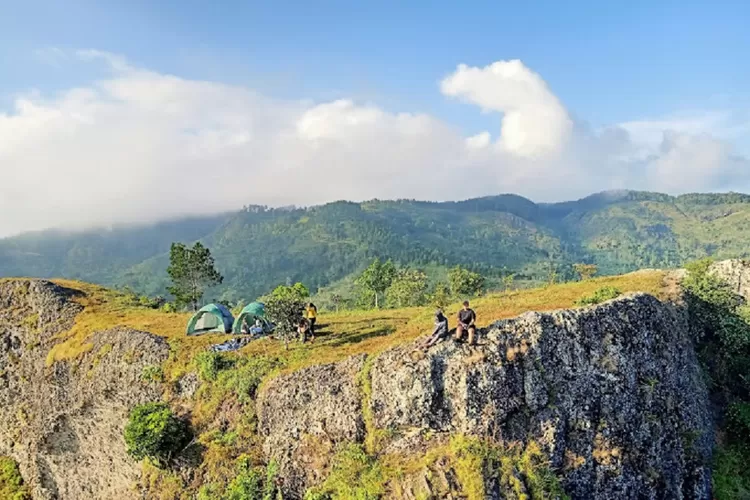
<point x="339" y="335"/>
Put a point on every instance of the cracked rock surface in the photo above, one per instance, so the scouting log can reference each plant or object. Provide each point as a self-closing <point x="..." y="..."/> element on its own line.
<point x="612" y="393"/>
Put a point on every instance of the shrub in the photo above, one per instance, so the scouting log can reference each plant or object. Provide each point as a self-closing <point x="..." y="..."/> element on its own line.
<point x="284" y="307"/>
<point x="738" y="423"/>
<point x="11" y="482"/>
<point x="521" y="472"/>
<point x="151" y="303"/>
<point x="712" y="303"/>
<point x="730" y="474"/>
<point x="152" y="373"/>
<point x="154" y="432"/>
<point x="209" y="491"/>
<point x="208" y="364"/>
<point x="168" y="307"/>
<point x="722" y="327"/>
<point x="601" y="295"/>
<point x="526" y="474"/>
<point x="585" y="271"/>
<point x="464" y="282"/>
<point x="354" y="474"/>
<point x="253" y="483"/>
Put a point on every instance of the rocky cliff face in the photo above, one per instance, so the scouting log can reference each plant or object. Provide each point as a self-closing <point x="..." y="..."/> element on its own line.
<point x="613" y="394"/>
<point x="736" y="272"/>
<point x="63" y="424"/>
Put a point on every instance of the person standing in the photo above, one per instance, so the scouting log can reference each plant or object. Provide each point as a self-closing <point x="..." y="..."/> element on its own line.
<point x="467" y="323"/>
<point x="312" y="314"/>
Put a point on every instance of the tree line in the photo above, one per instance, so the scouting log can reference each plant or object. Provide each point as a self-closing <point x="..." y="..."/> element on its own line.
<point x="192" y="270"/>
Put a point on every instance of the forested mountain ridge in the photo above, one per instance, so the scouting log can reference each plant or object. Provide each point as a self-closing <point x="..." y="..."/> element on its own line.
<point x="257" y="248"/>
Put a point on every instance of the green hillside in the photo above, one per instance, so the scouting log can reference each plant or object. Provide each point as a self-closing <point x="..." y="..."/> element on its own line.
<point x="257" y="248"/>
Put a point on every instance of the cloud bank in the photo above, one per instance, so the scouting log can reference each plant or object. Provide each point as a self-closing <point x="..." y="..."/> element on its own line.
<point x="140" y="146"/>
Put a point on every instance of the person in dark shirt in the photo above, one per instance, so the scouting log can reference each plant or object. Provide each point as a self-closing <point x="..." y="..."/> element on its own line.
<point x="467" y="323"/>
<point x="304" y="331"/>
<point x="440" y="331"/>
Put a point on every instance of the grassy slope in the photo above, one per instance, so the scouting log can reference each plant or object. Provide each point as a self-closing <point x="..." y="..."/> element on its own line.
<point x="341" y="334"/>
<point x="222" y="412"/>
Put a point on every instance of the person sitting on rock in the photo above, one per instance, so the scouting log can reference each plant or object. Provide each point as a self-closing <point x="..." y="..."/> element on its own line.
<point x="440" y="331"/>
<point x="466" y="323"/>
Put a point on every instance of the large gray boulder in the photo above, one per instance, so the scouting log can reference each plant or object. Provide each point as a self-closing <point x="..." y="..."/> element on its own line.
<point x="64" y="423"/>
<point x="612" y="393"/>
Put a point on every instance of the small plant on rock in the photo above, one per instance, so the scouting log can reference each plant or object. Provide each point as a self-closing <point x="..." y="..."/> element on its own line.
<point x="601" y="295"/>
<point x="256" y="483"/>
<point x="208" y="364"/>
<point x="152" y="373"/>
<point x="355" y="474"/>
<point x="154" y="432"/>
<point x="11" y="482"/>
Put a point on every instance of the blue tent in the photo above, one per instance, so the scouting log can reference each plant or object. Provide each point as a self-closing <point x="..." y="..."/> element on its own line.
<point x="250" y="313"/>
<point x="211" y="318"/>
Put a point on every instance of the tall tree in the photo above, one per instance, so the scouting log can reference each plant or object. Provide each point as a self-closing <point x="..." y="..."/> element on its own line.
<point x="407" y="288"/>
<point x="465" y="282"/>
<point x="336" y="299"/>
<point x="191" y="270"/>
<point x="508" y="281"/>
<point x="585" y="271"/>
<point x="376" y="279"/>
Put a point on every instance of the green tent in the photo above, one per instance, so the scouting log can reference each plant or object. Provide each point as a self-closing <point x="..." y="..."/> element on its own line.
<point x="211" y="318"/>
<point x="250" y="313"/>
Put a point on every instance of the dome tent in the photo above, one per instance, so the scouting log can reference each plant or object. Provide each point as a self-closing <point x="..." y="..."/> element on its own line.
<point x="211" y="318"/>
<point x="251" y="312"/>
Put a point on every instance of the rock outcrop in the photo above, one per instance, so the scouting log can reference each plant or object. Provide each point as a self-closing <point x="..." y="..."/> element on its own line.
<point x="613" y="394"/>
<point x="63" y="424"/>
<point x="736" y="272"/>
<point x="304" y="421"/>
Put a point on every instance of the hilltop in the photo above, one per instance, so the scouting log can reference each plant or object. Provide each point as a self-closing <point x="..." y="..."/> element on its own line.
<point x="78" y="357"/>
<point x="644" y="392"/>
<point x="257" y="248"/>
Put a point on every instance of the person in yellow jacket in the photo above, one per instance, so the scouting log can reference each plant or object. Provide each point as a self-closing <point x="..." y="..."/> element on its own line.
<point x="311" y="313"/>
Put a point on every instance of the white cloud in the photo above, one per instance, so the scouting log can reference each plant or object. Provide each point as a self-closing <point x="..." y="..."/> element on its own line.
<point x="534" y="121"/>
<point x="139" y="146"/>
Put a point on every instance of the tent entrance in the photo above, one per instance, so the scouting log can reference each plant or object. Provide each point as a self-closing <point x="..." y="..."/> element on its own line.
<point x="211" y="318"/>
<point x="207" y="321"/>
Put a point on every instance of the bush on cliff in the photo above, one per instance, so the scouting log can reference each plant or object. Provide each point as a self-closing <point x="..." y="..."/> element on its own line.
<point x="600" y="295"/>
<point x="11" y="482"/>
<point x="722" y="325"/>
<point x="355" y="475"/>
<point x="253" y="483"/>
<point x="154" y="432"/>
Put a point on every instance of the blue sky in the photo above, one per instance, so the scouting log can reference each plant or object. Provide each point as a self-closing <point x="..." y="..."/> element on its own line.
<point x="663" y="65"/>
<point x="608" y="61"/>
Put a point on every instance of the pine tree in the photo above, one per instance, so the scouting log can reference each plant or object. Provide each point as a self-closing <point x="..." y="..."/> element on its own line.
<point x="191" y="270"/>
